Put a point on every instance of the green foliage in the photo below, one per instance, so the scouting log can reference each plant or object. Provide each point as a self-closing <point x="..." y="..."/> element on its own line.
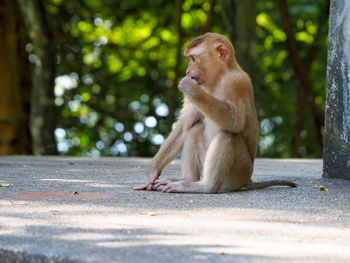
<point x="277" y="83"/>
<point x="117" y="62"/>
<point x="116" y="65"/>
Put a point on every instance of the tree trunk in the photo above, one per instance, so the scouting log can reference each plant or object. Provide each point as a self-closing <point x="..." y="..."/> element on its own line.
<point x="210" y="18"/>
<point x="298" y="123"/>
<point x="15" y="82"/>
<point x="228" y="15"/>
<point x="240" y="20"/>
<point x="42" y="119"/>
<point x="173" y="100"/>
<point x="337" y="126"/>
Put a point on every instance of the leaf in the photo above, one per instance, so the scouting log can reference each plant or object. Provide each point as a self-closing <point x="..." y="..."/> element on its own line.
<point x="152" y="214"/>
<point x="4" y="185"/>
<point x="323" y="188"/>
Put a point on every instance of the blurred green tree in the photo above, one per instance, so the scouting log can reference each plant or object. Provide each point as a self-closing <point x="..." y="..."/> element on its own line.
<point x="119" y="65"/>
<point x="292" y="48"/>
<point x="119" y="62"/>
<point x="119" y="68"/>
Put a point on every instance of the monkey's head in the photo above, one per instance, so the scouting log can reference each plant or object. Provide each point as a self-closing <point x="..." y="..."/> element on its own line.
<point x="208" y="57"/>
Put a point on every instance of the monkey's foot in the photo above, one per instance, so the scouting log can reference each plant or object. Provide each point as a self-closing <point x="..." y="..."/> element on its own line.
<point x="146" y="187"/>
<point x="174" y="187"/>
<point x="150" y="185"/>
<point x="164" y="181"/>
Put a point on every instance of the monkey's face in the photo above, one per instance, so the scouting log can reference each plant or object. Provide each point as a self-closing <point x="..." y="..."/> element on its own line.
<point x="196" y="69"/>
<point x="206" y="62"/>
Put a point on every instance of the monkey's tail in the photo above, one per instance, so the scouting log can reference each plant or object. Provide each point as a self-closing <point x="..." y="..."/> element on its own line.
<point x="261" y="185"/>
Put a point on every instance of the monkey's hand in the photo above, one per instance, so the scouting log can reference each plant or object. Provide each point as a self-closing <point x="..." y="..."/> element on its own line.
<point x="189" y="87"/>
<point x="150" y="186"/>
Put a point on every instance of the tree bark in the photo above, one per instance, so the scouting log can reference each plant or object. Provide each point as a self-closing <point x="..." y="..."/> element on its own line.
<point x="298" y="123"/>
<point x="240" y="20"/>
<point x="210" y="18"/>
<point x="42" y="119"/>
<point x="337" y="125"/>
<point x="228" y="15"/>
<point x="173" y="95"/>
<point x="15" y="82"/>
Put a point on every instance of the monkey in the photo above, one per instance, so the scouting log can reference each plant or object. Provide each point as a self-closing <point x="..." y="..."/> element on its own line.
<point x="217" y="130"/>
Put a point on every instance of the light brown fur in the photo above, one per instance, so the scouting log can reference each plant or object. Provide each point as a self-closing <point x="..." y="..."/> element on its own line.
<point x="217" y="131"/>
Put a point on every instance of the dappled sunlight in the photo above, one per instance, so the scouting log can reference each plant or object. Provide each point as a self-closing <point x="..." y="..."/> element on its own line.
<point x="65" y="180"/>
<point x="132" y="54"/>
<point x="117" y="59"/>
<point x="105" y="185"/>
<point x="94" y="210"/>
<point x="88" y="183"/>
<point x="318" y="161"/>
<point x="120" y="61"/>
<point x="112" y="227"/>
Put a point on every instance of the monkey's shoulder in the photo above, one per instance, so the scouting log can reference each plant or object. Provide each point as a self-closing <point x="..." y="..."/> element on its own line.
<point x="239" y="79"/>
<point x="236" y="85"/>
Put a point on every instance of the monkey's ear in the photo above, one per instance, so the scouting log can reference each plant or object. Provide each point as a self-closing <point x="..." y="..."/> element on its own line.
<point x="222" y="51"/>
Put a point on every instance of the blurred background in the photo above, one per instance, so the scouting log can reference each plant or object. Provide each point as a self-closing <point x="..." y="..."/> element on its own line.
<point x="99" y="77"/>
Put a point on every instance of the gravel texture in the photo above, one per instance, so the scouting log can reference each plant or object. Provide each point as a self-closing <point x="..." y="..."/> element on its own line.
<point x="277" y="224"/>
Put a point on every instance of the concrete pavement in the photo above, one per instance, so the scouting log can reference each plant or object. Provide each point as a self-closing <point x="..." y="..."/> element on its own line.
<point x="41" y="220"/>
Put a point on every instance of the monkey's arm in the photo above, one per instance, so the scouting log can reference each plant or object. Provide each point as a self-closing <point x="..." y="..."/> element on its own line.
<point x="172" y="145"/>
<point x="229" y="114"/>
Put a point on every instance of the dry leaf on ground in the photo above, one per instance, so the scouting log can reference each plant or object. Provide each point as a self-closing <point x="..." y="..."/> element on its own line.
<point x="320" y="187"/>
<point x="152" y="214"/>
<point x="323" y="188"/>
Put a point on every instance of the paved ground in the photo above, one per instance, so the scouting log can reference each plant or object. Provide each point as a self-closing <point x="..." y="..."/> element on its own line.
<point x="108" y="222"/>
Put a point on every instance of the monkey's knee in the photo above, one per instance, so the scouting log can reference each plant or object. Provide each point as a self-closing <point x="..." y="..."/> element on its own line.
<point x="223" y="144"/>
<point x="193" y="154"/>
<point x="196" y="132"/>
<point x="194" y="139"/>
<point x="228" y="165"/>
<point x="242" y="168"/>
<point x="234" y="144"/>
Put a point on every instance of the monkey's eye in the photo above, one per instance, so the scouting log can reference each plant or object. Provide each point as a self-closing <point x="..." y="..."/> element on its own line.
<point x="192" y="59"/>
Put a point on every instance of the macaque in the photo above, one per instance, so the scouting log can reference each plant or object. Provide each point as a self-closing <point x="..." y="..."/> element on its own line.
<point x="217" y="131"/>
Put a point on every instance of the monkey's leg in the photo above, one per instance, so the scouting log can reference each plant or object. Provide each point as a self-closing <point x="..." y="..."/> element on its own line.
<point x="193" y="154"/>
<point x="227" y="167"/>
<point x="192" y="157"/>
